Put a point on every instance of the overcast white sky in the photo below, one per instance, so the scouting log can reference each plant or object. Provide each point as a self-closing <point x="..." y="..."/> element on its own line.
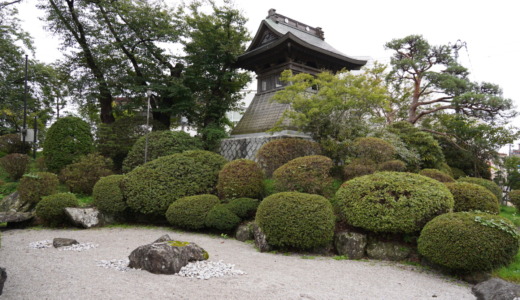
<point x="361" y="28"/>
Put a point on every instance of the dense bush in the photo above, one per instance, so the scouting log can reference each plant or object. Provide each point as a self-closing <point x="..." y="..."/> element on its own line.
<point x="81" y="176"/>
<point x="296" y="220"/>
<point x="221" y="218"/>
<point x="244" y="208"/>
<point x="469" y="241"/>
<point x="458" y="173"/>
<point x="115" y="140"/>
<point x="372" y="148"/>
<point x="151" y="188"/>
<point x="358" y="167"/>
<point x="7" y="188"/>
<point x="437" y="175"/>
<point x="51" y="208"/>
<point x="107" y="195"/>
<point x="445" y="168"/>
<point x="392" y="201"/>
<point x="215" y="162"/>
<point x="12" y="143"/>
<point x="15" y="165"/>
<point x="190" y="212"/>
<point x="160" y="143"/>
<point x="307" y="174"/>
<point x="34" y="186"/>
<point x="276" y="153"/>
<point x="470" y="196"/>
<point x="392" y="166"/>
<point x="488" y="184"/>
<point x="67" y="139"/>
<point x="240" y="178"/>
<point x="514" y="197"/>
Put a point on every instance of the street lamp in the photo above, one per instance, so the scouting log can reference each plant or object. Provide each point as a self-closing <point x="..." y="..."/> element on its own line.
<point x="149" y="95"/>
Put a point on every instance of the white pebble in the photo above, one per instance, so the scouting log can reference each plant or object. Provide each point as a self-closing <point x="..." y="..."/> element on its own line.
<point x="40" y="244"/>
<point x="78" y="247"/>
<point x="116" y="264"/>
<point x="208" y="269"/>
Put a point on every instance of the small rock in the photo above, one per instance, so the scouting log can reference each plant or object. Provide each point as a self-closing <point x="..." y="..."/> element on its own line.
<point x="476" y="277"/>
<point x="351" y="244"/>
<point x="3" y="278"/>
<point x="260" y="239"/>
<point x="387" y="250"/>
<point x="84" y="217"/>
<point x="63" y="242"/>
<point x="244" y="233"/>
<point x="496" y="289"/>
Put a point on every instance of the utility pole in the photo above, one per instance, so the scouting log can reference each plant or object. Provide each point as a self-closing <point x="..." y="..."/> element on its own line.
<point x="24" y="128"/>
<point x="149" y="95"/>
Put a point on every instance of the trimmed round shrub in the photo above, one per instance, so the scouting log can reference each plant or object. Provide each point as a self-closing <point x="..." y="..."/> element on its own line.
<point x="358" y="167"/>
<point x="296" y="220"/>
<point x="81" y="176"/>
<point x="244" y="208"/>
<point x="374" y="149"/>
<point x="212" y="160"/>
<point x="160" y="143"/>
<point x="151" y="188"/>
<point x="221" y="218"/>
<point x="34" y="186"/>
<point x="276" y="153"/>
<point x="107" y="195"/>
<point x="470" y="196"/>
<point x="392" y="166"/>
<point x="514" y="197"/>
<point x="458" y="173"/>
<point x="307" y="174"/>
<point x="12" y="143"/>
<point x="468" y="242"/>
<point x="51" y="208"/>
<point x="190" y="212"/>
<point x="15" y="165"/>
<point x="240" y="178"/>
<point x="445" y="168"/>
<point x="437" y="175"/>
<point x="488" y="184"/>
<point x="394" y="202"/>
<point x="67" y="139"/>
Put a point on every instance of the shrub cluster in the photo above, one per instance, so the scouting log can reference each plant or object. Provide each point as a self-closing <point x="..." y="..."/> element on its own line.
<point x="67" y="139"/>
<point x="151" y="188"/>
<point x="514" y="197"/>
<point x="190" y="212"/>
<point x="374" y="149"/>
<point x="15" y="165"/>
<point x="488" y="184"/>
<point x="12" y="143"/>
<point x="240" y="178"/>
<point x="392" y="166"/>
<point x="296" y="220"/>
<point x="81" y="176"/>
<point x="51" y="208"/>
<point x="392" y="201"/>
<point x="160" y="143"/>
<point x="34" y="186"/>
<point x="107" y="195"/>
<point x="221" y="218"/>
<point x="307" y="174"/>
<point x="359" y="167"/>
<point x="469" y="196"/>
<point x="467" y="242"/>
<point x="437" y="175"/>
<point x="276" y="153"/>
<point x="244" y="208"/>
<point x="7" y="188"/>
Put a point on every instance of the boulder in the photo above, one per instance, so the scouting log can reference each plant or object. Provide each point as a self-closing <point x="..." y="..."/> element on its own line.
<point x="164" y="238"/>
<point x="260" y="239"/>
<point x="351" y="244"/>
<point x="63" y="242"/>
<point x="3" y="278"/>
<point x="15" y="217"/>
<point x="166" y="257"/>
<point x="384" y="250"/>
<point x="13" y="203"/>
<point x="84" y="217"/>
<point x="244" y="233"/>
<point x="496" y="289"/>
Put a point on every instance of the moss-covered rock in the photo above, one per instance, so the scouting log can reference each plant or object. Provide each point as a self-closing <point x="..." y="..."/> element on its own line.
<point x="469" y="196"/>
<point x="190" y="212"/>
<point x="468" y="242"/>
<point x="296" y="220"/>
<point x="392" y="201"/>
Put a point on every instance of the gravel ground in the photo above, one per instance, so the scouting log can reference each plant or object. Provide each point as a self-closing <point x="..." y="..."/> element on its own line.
<point x="47" y="273"/>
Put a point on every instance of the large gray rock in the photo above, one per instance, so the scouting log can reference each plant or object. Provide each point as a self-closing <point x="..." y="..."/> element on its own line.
<point x="260" y="239"/>
<point x="3" y="278"/>
<point x="84" y="217"/>
<point x="13" y="203"/>
<point x="166" y="257"/>
<point x="15" y="217"/>
<point x="63" y="242"/>
<point x="383" y="250"/>
<point x="351" y="244"/>
<point x="496" y="289"/>
<point x="244" y="232"/>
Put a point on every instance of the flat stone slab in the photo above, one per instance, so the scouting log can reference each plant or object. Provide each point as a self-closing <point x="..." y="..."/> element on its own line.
<point x="15" y="217"/>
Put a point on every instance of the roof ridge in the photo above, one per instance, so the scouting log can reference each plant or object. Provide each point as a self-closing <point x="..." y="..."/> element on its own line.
<point x="289" y="22"/>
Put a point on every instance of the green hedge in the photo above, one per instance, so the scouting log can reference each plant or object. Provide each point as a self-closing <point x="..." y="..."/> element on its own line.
<point x="374" y="149"/>
<point x="240" y="178"/>
<point x="15" y="165"/>
<point x="488" y="184"/>
<point x="392" y="166"/>
<point x="469" y="197"/>
<point x="221" y="218"/>
<point x="437" y="175"/>
<point x="296" y="220"/>
<point x="107" y="195"/>
<point x="190" y="212"/>
<point x="358" y="167"/>
<point x="34" y="186"/>
<point x="81" y="176"/>
<point x="468" y="242"/>
<point x="393" y="202"/>
<point x="514" y="197"/>
<point x="244" y="208"/>
<point x="51" y="208"/>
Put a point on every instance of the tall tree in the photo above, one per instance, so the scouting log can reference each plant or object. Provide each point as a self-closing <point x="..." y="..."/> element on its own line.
<point x="439" y="83"/>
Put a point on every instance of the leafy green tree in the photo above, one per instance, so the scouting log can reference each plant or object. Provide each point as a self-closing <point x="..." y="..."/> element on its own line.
<point x="439" y="83"/>
<point x="333" y="109"/>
